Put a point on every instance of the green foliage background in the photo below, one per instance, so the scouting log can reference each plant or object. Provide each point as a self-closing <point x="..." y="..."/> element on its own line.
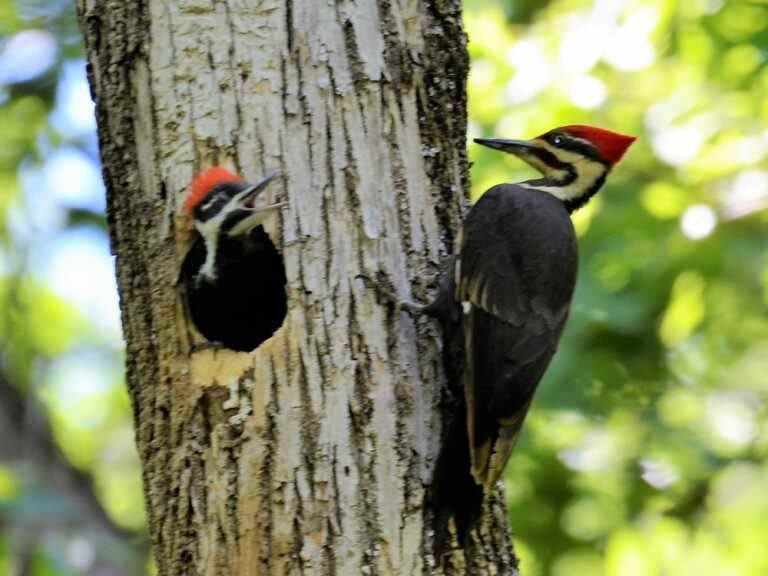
<point x="646" y="452"/>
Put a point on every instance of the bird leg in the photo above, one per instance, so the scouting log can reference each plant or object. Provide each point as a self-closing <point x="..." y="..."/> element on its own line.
<point x="442" y="308"/>
<point x="392" y="298"/>
<point x="402" y="305"/>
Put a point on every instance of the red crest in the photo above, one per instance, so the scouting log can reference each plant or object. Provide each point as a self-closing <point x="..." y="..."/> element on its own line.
<point x="611" y="145"/>
<point x="204" y="183"/>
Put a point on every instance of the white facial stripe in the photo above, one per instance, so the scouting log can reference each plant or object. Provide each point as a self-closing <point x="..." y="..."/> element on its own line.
<point x="587" y="173"/>
<point x="209" y="230"/>
<point x="544" y="168"/>
<point x="208" y="204"/>
<point x="536" y="162"/>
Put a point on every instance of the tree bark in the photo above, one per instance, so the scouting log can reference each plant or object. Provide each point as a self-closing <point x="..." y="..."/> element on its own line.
<point x="310" y="455"/>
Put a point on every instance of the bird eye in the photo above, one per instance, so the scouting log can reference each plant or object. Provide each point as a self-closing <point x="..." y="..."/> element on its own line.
<point x="557" y="140"/>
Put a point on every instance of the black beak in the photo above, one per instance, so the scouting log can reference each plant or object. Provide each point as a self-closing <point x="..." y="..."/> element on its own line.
<point x="247" y="202"/>
<point x="529" y="151"/>
<point x="517" y="147"/>
<point x="247" y="197"/>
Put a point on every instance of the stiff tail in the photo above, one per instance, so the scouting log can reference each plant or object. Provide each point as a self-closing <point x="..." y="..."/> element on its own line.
<point x="455" y="494"/>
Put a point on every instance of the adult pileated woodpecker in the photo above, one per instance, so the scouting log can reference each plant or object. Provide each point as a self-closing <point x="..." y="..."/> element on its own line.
<point x="505" y="305"/>
<point x="234" y="277"/>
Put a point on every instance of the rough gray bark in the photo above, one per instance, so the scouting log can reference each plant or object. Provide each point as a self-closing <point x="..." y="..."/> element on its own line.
<point x="311" y="454"/>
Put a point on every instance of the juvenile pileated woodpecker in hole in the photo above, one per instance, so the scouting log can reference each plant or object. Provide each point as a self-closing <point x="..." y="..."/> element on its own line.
<point x="233" y="276"/>
<point x="505" y="302"/>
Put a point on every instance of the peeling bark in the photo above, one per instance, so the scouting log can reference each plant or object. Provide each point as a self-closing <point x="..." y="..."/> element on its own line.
<point x="311" y="454"/>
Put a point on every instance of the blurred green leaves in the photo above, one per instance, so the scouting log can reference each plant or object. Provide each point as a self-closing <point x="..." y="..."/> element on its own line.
<point x="70" y="495"/>
<point x="647" y="446"/>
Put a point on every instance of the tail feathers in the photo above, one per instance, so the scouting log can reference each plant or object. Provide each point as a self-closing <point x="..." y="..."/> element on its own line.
<point x="489" y="459"/>
<point x="455" y="494"/>
<point x="481" y="457"/>
<point x="502" y="449"/>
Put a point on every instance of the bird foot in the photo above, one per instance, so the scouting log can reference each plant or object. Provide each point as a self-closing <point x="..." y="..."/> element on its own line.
<point x="386" y="294"/>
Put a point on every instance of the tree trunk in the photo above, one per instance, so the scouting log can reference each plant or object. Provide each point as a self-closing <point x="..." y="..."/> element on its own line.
<point x="311" y="454"/>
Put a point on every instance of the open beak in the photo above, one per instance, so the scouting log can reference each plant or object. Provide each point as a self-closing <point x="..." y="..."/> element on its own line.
<point x="247" y="198"/>
<point x="247" y="201"/>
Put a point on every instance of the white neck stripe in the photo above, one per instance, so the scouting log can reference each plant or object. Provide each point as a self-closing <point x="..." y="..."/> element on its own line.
<point x="588" y="172"/>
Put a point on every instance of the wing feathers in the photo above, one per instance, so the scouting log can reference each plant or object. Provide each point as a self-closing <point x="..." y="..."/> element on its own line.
<point x="509" y="431"/>
<point x="519" y="289"/>
<point x="469" y="389"/>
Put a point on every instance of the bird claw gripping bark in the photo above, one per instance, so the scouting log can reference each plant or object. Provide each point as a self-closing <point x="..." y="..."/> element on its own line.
<point x="386" y="294"/>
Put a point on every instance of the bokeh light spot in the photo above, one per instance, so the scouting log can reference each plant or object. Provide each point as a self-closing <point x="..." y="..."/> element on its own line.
<point x="698" y="222"/>
<point x="686" y="309"/>
<point x="587" y="92"/>
<point x="27" y="55"/>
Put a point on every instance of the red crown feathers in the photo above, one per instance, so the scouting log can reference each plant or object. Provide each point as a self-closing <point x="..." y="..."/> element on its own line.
<point x="204" y="183"/>
<point x="611" y="145"/>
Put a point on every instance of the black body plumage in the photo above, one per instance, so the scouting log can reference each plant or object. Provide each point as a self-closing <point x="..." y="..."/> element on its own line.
<point x="503" y="307"/>
<point x="236" y="295"/>
<point x="503" y="312"/>
<point x="245" y="302"/>
<point x="515" y="305"/>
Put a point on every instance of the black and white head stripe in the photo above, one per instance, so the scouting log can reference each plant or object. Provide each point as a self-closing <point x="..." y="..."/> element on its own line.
<point x="228" y="208"/>
<point x="574" y="160"/>
<point x="210" y="215"/>
<point x="584" y="176"/>
<point x="217" y="199"/>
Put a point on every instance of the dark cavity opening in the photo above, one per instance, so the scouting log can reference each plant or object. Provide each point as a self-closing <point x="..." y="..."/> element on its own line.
<point x="245" y="302"/>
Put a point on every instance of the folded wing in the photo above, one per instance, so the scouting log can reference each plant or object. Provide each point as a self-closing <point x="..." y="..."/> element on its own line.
<point x="515" y="277"/>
